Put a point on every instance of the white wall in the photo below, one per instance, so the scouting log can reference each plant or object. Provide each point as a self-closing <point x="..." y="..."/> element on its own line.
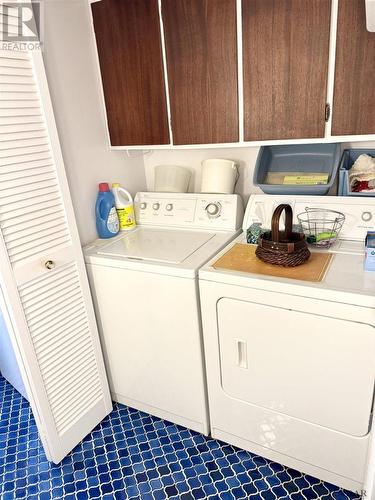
<point x="359" y="145"/>
<point x="69" y="55"/>
<point x="246" y="158"/>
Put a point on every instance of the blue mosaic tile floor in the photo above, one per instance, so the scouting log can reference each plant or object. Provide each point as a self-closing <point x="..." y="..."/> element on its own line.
<point x="134" y="455"/>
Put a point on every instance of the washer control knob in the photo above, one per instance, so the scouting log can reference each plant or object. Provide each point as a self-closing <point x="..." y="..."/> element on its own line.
<point x="213" y="209"/>
<point x="143" y="205"/>
<point x="156" y="206"/>
<point x="169" y="207"/>
<point x="366" y="216"/>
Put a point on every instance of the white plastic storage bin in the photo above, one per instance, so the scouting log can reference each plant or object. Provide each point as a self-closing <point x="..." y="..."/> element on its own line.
<point x="171" y="179"/>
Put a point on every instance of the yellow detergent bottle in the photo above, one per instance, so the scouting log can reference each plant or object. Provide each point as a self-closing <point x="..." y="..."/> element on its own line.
<point x="124" y="207"/>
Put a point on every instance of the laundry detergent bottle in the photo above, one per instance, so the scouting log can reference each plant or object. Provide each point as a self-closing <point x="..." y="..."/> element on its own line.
<point x="124" y="207"/>
<point x="107" y="223"/>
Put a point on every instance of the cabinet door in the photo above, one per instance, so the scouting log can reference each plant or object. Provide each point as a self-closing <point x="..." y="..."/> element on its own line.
<point x="130" y="56"/>
<point x="354" y="95"/>
<point x="43" y="283"/>
<point x="201" y="49"/>
<point x="285" y="68"/>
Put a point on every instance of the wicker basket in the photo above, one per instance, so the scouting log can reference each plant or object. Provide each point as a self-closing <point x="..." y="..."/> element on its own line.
<point x="282" y="248"/>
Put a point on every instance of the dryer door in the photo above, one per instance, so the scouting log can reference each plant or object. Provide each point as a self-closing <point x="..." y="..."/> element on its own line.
<point x="311" y="367"/>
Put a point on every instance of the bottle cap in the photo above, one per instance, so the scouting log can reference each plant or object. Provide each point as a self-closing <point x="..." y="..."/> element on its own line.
<point x="103" y="187"/>
<point x="116" y="185"/>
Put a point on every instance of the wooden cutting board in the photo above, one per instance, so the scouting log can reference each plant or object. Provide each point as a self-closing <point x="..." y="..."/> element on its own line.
<point x="241" y="257"/>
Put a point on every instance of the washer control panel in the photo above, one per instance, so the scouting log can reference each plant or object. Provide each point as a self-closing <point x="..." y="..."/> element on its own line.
<point x="206" y="211"/>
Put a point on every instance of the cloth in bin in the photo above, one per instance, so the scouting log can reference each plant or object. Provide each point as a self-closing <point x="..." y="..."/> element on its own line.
<point x="362" y="174"/>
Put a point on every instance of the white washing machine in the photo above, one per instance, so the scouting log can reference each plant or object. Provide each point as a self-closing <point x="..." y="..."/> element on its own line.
<point x="291" y="364"/>
<point x="145" y="289"/>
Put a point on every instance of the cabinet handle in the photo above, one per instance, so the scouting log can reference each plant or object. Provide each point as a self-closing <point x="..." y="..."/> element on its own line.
<point x="327" y="112"/>
<point x="49" y="264"/>
<point x="241" y="353"/>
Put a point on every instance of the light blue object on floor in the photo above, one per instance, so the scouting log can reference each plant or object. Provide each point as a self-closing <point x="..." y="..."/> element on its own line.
<point x="8" y="362"/>
<point x="132" y="455"/>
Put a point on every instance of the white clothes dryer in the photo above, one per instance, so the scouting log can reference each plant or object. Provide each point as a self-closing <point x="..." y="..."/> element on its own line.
<point x="291" y="364"/>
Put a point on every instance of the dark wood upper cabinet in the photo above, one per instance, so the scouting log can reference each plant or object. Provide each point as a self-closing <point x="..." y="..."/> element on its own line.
<point x="285" y="65"/>
<point x="201" y="50"/>
<point x="354" y="92"/>
<point x="129" y="48"/>
<point x="285" y="45"/>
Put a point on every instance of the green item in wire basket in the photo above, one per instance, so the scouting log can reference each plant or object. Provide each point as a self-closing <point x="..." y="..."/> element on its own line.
<point x="320" y="237"/>
<point x="326" y="236"/>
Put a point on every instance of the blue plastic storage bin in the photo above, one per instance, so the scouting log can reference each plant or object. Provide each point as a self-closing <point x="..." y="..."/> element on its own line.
<point x="349" y="156"/>
<point x="307" y="158"/>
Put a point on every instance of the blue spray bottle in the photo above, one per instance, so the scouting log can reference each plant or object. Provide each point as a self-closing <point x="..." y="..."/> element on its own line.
<point x="107" y="224"/>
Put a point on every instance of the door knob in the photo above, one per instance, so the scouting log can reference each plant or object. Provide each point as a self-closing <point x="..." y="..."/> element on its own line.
<point x="49" y="264"/>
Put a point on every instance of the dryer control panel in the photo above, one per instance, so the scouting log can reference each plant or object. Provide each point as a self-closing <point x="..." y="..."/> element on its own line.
<point x="359" y="212"/>
<point x="222" y="212"/>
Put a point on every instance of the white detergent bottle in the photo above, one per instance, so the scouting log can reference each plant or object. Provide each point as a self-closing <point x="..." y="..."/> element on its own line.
<point x="124" y="207"/>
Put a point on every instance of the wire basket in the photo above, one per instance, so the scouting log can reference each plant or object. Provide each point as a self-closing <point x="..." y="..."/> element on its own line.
<point x="321" y="226"/>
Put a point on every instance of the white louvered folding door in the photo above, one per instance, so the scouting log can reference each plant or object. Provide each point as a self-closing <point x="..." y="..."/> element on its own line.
<point x="43" y="277"/>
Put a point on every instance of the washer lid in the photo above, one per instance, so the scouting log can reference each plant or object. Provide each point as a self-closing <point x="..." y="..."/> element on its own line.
<point x="161" y="245"/>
